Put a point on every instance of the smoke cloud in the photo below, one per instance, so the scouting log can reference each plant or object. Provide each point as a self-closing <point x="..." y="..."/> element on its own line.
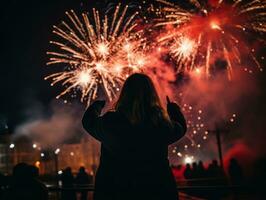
<point x="62" y="124"/>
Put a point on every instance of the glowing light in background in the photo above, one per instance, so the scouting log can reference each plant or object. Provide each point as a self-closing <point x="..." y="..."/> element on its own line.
<point x="37" y="164"/>
<point x="198" y="71"/>
<point x="57" y="151"/>
<point x="214" y="25"/>
<point x="188" y="159"/>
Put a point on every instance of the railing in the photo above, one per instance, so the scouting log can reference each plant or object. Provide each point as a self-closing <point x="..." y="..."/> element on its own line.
<point x="188" y="190"/>
<point x="185" y="192"/>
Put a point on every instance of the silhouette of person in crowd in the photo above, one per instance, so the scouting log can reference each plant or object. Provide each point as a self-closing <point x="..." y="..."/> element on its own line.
<point x="24" y="184"/>
<point x="188" y="172"/>
<point x="201" y="170"/>
<point x="194" y="170"/>
<point x="213" y="169"/>
<point x="134" y="138"/>
<point x="83" y="180"/>
<point x="235" y="172"/>
<point x="67" y="179"/>
<point x="34" y="171"/>
<point x="216" y="174"/>
<point x="3" y="183"/>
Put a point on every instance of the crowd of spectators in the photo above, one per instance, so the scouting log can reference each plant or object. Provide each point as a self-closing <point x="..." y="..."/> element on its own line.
<point x="25" y="184"/>
<point x="197" y="173"/>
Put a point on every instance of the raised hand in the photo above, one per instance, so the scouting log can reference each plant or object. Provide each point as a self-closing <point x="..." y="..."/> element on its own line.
<point x="98" y="106"/>
<point x="172" y="108"/>
<point x="175" y="113"/>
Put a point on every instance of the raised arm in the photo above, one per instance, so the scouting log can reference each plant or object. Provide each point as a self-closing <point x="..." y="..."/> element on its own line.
<point x="92" y="121"/>
<point x="178" y="121"/>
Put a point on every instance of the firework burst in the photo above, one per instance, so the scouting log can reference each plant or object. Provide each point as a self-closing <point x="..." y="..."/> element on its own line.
<point x="213" y="30"/>
<point x="97" y="54"/>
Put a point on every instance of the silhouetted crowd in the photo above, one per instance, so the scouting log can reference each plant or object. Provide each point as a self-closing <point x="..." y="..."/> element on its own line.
<point x="81" y="181"/>
<point x="197" y="177"/>
<point x="25" y="184"/>
<point x="214" y="174"/>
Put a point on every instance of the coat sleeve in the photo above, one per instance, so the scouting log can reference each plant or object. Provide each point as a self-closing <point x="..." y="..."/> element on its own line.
<point x="175" y="132"/>
<point x="177" y="126"/>
<point x="93" y="123"/>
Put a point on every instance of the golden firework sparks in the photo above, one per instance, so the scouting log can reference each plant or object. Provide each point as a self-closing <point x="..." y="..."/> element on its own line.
<point x="98" y="54"/>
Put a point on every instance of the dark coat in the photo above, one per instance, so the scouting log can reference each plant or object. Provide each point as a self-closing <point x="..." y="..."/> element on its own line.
<point x="134" y="158"/>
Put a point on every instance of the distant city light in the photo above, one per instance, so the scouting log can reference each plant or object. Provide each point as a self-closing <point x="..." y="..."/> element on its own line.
<point x="60" y="172"/>
<point x="34" y="146"/>
<point x="57" y="151"/>
<point x="37" y="164"/>
<point x="42" y="154"/>
<point x="12" y="146"/>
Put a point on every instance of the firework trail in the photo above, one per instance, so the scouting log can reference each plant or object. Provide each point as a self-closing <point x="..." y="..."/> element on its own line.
<point x="98" y="54"/>
<point x="212" y="30"/>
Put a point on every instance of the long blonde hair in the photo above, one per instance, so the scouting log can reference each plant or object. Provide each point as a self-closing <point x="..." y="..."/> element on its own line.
<point x="139" y="100"/>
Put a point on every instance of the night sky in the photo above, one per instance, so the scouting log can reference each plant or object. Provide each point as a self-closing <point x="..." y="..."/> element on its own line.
<point x="26" y="28"/>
